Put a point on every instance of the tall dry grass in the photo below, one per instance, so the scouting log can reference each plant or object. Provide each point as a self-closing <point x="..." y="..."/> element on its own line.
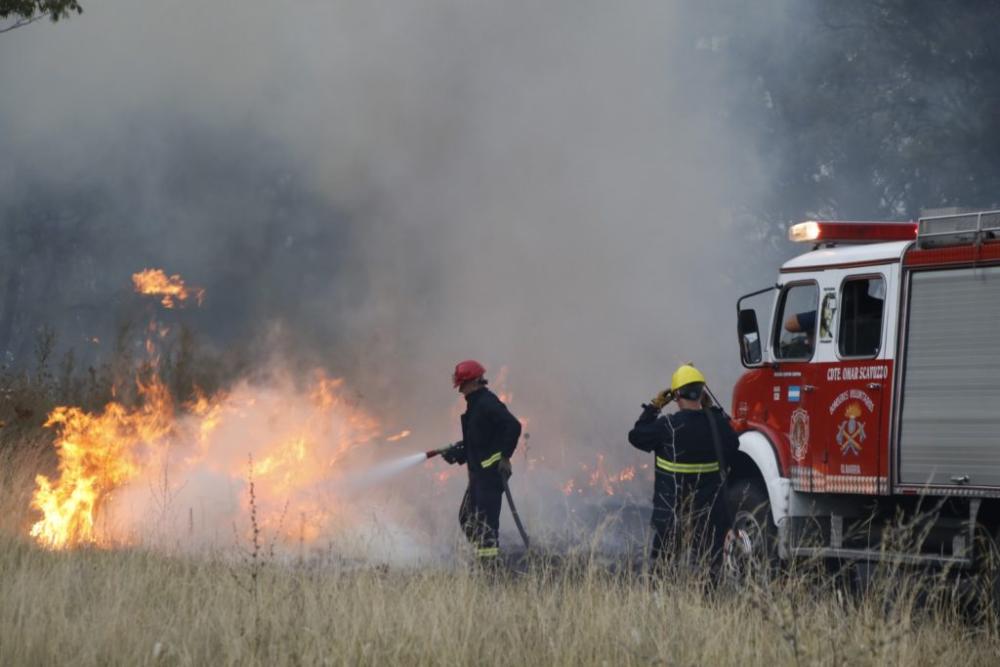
<point x="92" y="607"/>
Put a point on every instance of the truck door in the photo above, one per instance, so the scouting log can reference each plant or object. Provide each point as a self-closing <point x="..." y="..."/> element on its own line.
<point x="793" y="345"/>
<point x="851" y="393"/>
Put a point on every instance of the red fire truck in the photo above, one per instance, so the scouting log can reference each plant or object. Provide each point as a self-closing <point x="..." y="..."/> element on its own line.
<point x="873" y="394"/>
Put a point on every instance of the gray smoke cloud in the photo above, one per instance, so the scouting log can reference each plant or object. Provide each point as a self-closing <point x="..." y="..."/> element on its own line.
<point x="388" y="188"/>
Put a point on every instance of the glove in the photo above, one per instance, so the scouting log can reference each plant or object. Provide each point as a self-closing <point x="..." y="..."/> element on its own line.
<point x="504" y="468"/>
<point x="662" y="399"/>
<point x="454" y="454"/>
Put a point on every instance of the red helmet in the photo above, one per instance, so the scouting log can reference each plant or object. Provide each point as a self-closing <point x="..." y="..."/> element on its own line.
<point x="467" y="370"/>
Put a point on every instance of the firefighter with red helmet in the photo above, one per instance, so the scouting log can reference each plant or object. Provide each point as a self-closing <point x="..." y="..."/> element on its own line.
<point x="489" y="435"/>
<point x="689" y="516"/>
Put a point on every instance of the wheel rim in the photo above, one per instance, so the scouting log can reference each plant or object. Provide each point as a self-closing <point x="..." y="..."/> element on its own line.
<point x="744" y="548"/>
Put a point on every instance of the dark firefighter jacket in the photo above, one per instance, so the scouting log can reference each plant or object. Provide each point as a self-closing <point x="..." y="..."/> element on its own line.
<point x="489" y="432"/>
<point x="682" y="442"/>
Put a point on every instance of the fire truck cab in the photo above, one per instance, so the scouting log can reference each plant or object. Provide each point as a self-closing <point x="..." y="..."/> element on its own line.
<point x="872" y="396"/>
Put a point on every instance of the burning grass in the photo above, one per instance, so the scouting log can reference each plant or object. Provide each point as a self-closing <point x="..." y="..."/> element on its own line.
<point x="136" y="607"/>
<point x="150" y="450"/>
<point x="123" y="469"/>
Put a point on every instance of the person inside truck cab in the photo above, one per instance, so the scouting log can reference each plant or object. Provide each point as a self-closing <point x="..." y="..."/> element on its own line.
<point x="805" y="324"/>
<point x="802" y="322"/>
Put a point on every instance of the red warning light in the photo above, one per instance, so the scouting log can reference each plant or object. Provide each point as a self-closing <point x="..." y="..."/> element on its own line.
<point x="832" y="231"/>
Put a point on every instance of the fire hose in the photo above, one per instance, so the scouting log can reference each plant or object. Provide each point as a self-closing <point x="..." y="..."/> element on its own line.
<point x="506" y="490"/>
<point x="513" y="511"/>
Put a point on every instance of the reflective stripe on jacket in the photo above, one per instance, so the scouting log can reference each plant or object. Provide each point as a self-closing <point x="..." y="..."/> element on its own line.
<point x="489" y="431"/>
<point x="689" y="468"/>
<point x="491" y="460"/>
<point x="682" y="441"/>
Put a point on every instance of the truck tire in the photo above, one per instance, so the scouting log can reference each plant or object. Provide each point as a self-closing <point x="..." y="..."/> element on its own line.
<point x="751" y="549"/>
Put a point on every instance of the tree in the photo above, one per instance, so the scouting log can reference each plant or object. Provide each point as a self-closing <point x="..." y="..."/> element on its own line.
<point x="873" y="108"/>
<point x="26" y="12"/>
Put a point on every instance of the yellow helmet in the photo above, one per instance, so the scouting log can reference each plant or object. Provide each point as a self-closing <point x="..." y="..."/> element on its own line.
<point x="685" y="375"/>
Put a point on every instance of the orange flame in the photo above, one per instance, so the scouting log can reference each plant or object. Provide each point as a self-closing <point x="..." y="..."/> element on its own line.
<point x="154" y="282"/>
<point x="97" y="453"/>
<point x="599" y="479"/>
<point x="297" y="440"/>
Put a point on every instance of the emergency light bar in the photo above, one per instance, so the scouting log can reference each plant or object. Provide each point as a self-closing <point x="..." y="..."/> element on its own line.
<point x="832" y="231"/>
<point x="958" y="229"/>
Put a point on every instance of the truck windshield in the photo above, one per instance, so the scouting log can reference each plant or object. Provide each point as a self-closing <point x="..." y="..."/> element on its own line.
<point x="795" y="336"/>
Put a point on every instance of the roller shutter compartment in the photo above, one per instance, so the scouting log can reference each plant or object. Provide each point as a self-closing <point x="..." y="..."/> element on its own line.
<point x="950" y="422"/>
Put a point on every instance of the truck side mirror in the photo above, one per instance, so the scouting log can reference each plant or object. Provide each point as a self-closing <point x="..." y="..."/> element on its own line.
<point x="749" y="332"/>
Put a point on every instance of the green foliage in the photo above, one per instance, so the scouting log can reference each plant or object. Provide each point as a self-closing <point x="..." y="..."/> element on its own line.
<point x="27" y="9"/>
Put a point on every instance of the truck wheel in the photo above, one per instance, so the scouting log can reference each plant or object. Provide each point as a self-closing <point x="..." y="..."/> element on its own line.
<point x="751" y="547"/>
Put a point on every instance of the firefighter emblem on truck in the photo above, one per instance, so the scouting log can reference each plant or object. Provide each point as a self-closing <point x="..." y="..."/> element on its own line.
<point x="851" y="431"/>
<point x="798" y="434"/>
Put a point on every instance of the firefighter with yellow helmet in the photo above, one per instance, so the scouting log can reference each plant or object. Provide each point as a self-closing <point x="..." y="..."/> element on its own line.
<point x="689" y="516"/>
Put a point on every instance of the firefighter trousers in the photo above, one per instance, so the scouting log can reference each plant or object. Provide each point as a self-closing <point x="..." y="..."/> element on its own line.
<point x="689" y="520"/>
<point x="480" y="513"/>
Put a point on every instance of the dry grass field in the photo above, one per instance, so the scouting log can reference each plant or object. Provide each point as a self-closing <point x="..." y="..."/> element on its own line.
<point x="129" y="607"/>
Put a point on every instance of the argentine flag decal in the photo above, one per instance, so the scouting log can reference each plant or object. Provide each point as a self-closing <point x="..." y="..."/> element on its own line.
<point x="793" y="393"/>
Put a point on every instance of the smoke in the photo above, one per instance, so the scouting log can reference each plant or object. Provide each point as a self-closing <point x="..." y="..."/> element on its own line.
<point x="387" y="188"/>
<point x="273" y="465"/>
